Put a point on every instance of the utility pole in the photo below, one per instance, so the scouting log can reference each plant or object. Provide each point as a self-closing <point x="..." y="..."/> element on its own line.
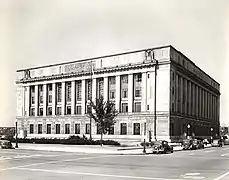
<point x="16" y="146"/>
<point x="91" y="100"/>
<point x="155" y="101"/>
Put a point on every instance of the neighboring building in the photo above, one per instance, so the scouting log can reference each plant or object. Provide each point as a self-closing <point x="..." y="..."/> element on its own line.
<point x="52" y="100"/>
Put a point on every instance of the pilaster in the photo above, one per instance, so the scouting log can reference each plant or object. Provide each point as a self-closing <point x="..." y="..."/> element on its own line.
<point x="73" y="97"/>
<point x="36" y="100"/>
<point x="63" y="98"/>
<point x="83" y="96"/>
<point x="45" y="100"/>
<point x="54" y="99"/>
<point x="130" y="93"/>
<point x="117" y="97"/>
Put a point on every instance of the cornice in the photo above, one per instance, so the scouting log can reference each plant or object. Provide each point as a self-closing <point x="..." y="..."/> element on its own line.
<point x="194" y="77"/>
<point x="97" y="71"/>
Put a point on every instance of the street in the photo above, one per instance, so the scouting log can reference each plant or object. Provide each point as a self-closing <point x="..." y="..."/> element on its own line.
<point x="207" y="164"/>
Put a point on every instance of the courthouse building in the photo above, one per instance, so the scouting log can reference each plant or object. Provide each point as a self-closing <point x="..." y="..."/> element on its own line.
<point x="52" y="101"/>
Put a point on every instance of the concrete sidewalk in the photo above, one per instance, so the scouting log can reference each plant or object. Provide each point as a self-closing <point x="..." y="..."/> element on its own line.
<point x="90" y="149"/>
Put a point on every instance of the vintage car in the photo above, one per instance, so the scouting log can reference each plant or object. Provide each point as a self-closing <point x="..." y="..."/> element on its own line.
<point x="225" y="140"/>
<point x="197" y="144"/>
<point x="5" y="144"/>
<point x="161" y="147"/>
<point x="217" y="143"/>
<point x="187" y="144"/>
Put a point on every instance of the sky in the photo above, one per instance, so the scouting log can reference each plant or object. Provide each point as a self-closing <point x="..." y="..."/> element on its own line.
<point x="43" y="32"/>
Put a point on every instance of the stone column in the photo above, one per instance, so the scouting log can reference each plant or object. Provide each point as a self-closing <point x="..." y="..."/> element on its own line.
<point x="190" y="98"/>
<point x="176" y="94"/>
<point x="105" y="90"/>
<point x="185" y="96"/>
<point x="197" y="102"/>
<point x="144" y="92"/>
<point x="36" y="100"/>
<point x="63" y="99"/>
<point x="83" y="96"/>
<point x="130" y="93"/>
<point x="117" y="97"/>
<point x="93" y="96"/>
<point x="181" y="94"/>
<point x="27" y="101"/>
<point x="45" y="100"/>
<point x="193" y="99"/>
<point x="54" y="99"/>
<point x="73" y="97"/>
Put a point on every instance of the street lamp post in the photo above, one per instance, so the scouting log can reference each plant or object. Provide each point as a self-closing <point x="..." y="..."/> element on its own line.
<point x="16" y="146"/>
<point x="91" y="99"/>
<point x="188" y="126"/>
<point x="155" y="101"/>
<point x="211" y="135"/>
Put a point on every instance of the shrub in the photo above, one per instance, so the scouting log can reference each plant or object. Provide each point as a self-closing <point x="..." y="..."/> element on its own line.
<point x="72" y="140"/>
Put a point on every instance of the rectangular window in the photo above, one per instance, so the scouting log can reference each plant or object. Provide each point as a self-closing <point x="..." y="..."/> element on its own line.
<point x="49" y="93"/>
<point x="78" y="110"/>
<point x="124" y="107"/>
<point x="87" y="128"/>
<point x="111" y="130"/>
<point x="124" y="93"/>
<point x="59" y="92"/>
<point x="100" y="89"/>
<point x="79" y="90"/>
<point x="124" y="79"/>
<point x="32" y="112"/>
<point x="48" y="128"/>
<point x="57" y="128"/>
<point x="136" y="128"/>
<point x="123" y="129"/>
<point x="111" y="80"/>
<point x="138" y="77"/>
<point x="40" y="91"/>
<point x="31" y="128"/>
<point x="39" y="128"/>
<point x="89" y="89"/>
<point x="58" y="111"/>
<point x="40" y="111"/>
<point x="137" y="107"/>
<point x="49" y="113"/>
<point x="68" y="110"/>
<point x="67" y="128"/>
<point x="49" y="98"/>
<point x="68" y="91"/>
<point x="112" y="94"/>
<point x="77" y="128"/>
<point x="138" y="92"/>
<point x="32" y="92"/>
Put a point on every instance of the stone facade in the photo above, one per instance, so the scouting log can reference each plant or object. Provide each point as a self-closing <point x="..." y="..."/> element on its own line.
<point x="58" y="94"/>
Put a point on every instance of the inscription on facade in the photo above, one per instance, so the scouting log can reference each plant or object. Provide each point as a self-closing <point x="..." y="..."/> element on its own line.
<point x="80" y="67"/>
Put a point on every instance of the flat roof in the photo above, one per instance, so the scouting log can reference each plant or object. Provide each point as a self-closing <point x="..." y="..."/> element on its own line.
<point x="118" y="54"/>
<point x="81" y="60"/>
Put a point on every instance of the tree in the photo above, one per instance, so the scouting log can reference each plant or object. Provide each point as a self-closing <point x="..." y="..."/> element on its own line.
<point x="104" y="115"/>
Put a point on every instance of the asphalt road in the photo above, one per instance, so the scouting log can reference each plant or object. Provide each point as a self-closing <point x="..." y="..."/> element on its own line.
<point x="209" y="163"/>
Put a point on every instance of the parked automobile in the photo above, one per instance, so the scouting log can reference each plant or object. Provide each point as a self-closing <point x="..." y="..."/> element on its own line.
<point x="217" y="143"/>
<point x="187" y="144"/>
<point x="197" y="144"/>
<point x="225" y="140"/>
<point x="5" y="144"/>
<point x="161" y="147"/>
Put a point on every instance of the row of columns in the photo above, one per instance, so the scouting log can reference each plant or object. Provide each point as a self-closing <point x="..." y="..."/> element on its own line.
<point x="83" y="101"/>
<point x="198" y="101"/>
